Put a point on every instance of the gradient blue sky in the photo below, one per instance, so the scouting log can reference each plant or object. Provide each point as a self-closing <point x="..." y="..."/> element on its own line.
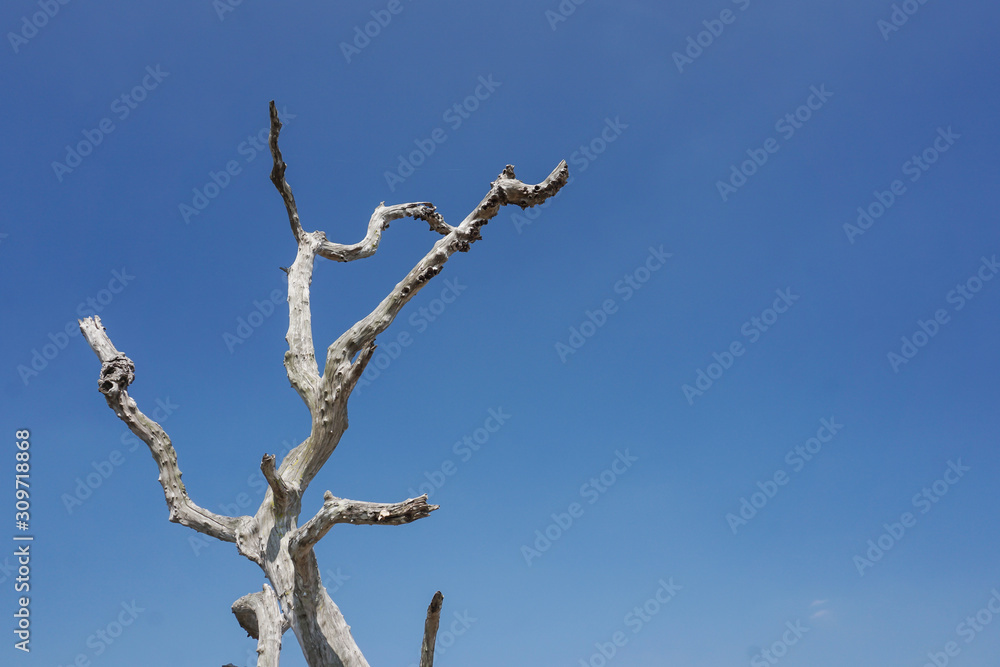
<point x="494" y="347"/>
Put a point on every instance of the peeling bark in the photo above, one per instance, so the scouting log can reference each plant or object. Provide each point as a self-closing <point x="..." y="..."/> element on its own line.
<point x="296" y="599"/>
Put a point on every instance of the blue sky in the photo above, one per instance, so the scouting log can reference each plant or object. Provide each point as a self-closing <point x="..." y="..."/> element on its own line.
<point x="665" y="342"/>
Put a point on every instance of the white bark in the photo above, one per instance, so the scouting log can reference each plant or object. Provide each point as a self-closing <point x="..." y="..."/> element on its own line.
<point x="260" y="615"/>
<point x="296" y="598"/>
<point x="117" y="372"/>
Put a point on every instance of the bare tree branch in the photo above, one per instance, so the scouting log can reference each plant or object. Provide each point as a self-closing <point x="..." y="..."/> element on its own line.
<point x="260" y="615"/>
<point x="340" y="366"/>
<point x="326" y="396"/>
<point x="295" y="598"/>
<point x="319" y="625"/>
<point x="300" y="359"/>
<point x="278" y="175"/>
<point x="340" y="510"/>
<point x="117" y="372"/>
<point x="379" y="222"/>
<point x="431" y="630"/>
<point x="279" y="489"/>
<point x="505" y="190"/>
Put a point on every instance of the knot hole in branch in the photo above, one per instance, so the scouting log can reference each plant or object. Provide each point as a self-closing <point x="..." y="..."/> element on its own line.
<point x="116" y="374"/>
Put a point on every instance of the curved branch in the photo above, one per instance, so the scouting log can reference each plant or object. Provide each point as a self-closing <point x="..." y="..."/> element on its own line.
<point x="342" y="369"/>
<point x="117" y="372"/>
<point x="326" y="395"/>
<point x="300" y="360"/>
<point x="505" y="190"/>
<point x="378" y="223"/>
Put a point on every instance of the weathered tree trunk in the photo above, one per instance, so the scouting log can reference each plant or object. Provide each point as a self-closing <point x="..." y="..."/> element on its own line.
<point x="296" y="598"/>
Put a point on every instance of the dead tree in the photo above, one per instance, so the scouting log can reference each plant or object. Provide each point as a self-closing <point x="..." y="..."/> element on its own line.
<point x="295" y="597"/>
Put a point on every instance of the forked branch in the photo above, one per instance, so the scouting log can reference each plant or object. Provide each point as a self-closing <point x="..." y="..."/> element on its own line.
<point x="296" y="598"/>
<point x="326" y="394"/>
<point x="506" y="189"/>
<point x="378" y="223"/>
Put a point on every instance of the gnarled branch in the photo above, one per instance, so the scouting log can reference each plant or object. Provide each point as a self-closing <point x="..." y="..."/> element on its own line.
<point x="300" y="360"/>
<point x="379" y="222"/>
<point x="341" y="510"/>
<point x="506" y="189"/>
<point x="340" y="371"/>
<point x="117" y="372"/>
<point x="296" y="598"/>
